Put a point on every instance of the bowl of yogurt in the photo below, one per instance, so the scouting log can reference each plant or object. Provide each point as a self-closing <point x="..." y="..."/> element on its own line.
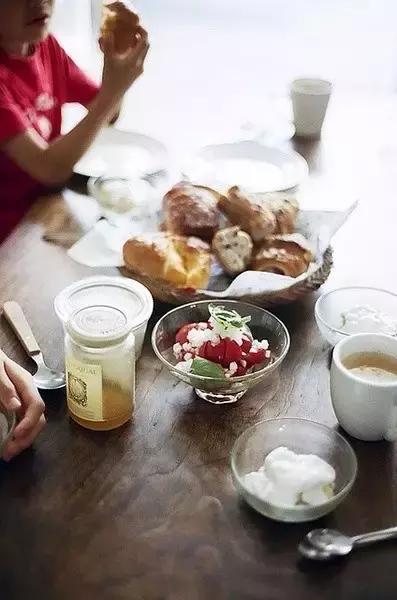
<point x="349" y="310"/>
<point x="293" y="470"/>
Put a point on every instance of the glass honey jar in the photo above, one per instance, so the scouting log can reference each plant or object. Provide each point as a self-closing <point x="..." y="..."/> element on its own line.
<point x="100" y="367"/>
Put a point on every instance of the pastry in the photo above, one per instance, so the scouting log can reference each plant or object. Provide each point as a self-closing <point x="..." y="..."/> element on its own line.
<point x="249" y="212"/>
<point x="122" y="23"/>
<point x="233" y="249"/>
<point x="285" y="208"/>
<point x="283" y="254"/>
<point x="192" y="210"/>
<point x="182" y="261"/>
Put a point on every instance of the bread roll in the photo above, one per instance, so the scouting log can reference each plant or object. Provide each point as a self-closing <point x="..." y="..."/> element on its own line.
<point x="284" y="254"/>
<point x="192" y="210"/>
<point x="285" y="209"/>
<point x="122" y="23"/>
<point x="249" y="213"/>
<point x="233" y="249"/>
<point x="181" y="261"/>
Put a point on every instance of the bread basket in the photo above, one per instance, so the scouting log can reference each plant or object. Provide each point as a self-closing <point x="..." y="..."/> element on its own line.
<point x="165" y="292"/>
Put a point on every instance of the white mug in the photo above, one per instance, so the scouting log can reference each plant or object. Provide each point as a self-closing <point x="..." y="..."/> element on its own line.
<point x="365" y="409"/>
<point x="310" y="99"/>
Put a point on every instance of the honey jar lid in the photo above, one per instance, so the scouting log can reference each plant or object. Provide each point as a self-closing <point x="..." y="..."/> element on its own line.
<point x="99" y="326"/>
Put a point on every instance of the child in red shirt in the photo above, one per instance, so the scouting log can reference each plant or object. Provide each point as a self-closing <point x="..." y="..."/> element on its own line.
<point x="37" y="78"/>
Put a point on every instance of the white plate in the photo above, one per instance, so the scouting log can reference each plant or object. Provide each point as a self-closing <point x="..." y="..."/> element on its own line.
<point x="249" y="164"/>
<point x="119" y="153"/>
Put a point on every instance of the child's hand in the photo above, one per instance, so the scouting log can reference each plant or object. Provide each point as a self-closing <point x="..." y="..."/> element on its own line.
<point x="121" y="70"/>
<point x="18" y="393"/>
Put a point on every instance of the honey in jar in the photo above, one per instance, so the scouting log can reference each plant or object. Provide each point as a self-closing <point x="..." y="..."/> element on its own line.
<point x="100" y="367"/>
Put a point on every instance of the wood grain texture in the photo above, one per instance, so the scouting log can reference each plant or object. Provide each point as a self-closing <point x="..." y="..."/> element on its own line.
<point x="149" y="511"/>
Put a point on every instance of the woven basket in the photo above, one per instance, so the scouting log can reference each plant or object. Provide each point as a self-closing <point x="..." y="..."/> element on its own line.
<point x="165" y="292"/>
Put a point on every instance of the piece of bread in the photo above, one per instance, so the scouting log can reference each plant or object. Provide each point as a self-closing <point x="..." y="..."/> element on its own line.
<point x="284" y="207"/>
<point x="249" y="213"/>
<point x="181" y="261"/>
<point x="233" y="249"/>
<point x="284" y="254"/>
<point x="192" y="210"/>
<point x="122" y="23"/>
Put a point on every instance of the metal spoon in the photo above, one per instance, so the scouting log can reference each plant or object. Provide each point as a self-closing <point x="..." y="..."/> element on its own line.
<point x="323" y="544"/>
<point x="45" y="378"/>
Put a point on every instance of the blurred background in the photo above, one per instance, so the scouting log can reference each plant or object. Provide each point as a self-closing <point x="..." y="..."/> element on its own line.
<point x="215" y="65"/>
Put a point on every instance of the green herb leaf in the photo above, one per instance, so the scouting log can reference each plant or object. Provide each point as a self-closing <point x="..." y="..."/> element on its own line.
<point x="227" y="318"/>
<point x="206" y="368"/>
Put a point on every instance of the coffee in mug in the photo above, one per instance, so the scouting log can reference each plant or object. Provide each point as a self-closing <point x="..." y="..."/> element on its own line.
<point x="364" y="386"/>
<point x="372" y="366"/>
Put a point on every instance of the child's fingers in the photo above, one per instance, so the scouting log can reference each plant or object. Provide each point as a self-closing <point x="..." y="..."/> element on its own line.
<point x="8" y="394"/>
<point x="106" y="44"/>
<point x="16" y="446"/>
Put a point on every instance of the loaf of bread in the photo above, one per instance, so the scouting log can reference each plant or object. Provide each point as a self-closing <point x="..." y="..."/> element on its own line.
<point x="192" y="210"/>
<point x="122" y="23"/>
<point x="249" y="213"/>
<point x="284" y="254"/>
<point x="182" y="261"/>
<point x="233" y="249"/>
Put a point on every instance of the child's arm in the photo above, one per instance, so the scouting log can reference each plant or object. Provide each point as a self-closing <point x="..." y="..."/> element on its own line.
<point x="52" y="163"/>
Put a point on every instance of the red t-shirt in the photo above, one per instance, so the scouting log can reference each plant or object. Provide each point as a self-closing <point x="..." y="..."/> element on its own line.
<point x="32" y="92"/>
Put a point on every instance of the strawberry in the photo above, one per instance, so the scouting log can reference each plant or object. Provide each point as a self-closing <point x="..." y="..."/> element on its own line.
<point x="233" y="352"/>
<point x="246" y="345"/>
<point x="181" y="336"/>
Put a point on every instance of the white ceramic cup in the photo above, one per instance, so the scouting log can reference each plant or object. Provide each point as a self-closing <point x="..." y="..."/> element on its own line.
<point x="310" y="99"/>
<point x="366" y="410"/>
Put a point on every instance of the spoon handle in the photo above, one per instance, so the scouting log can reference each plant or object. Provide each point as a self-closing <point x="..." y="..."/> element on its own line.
<point x="375" y="536"/>
<point x="14" y="315"/>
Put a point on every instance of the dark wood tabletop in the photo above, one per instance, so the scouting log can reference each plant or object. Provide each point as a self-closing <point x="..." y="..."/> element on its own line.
<point x="149" y="511"/>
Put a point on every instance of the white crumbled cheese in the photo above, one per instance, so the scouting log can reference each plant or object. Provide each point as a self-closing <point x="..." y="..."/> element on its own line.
<point x="367" y="319"/>
<point x="233" y="368"/>
<point x="177" y="348"/>
<point x="215" y="340"/>
<point x="234" y="333"/>
<point x="185" y="365"/>
<point x="202" y="326"/>
<point x="287" y="479"/>
<point x="187" y="347"/>
<point x="188" y="356"/>
<point x="257" y="345"/>
<point x="243" y="363"/>
<point x="198" y="337"/>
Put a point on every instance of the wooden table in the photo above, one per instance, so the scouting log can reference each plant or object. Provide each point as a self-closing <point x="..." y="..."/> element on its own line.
<point x="150" y="511"/>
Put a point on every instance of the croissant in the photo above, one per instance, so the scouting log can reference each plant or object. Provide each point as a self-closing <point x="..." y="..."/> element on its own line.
<point x="284" y="254"/>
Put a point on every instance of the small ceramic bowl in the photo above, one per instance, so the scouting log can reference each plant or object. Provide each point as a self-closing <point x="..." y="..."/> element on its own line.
<point x="7" y="426"/>
<point x="329" y="307"/>
<point x="303" y="437"/>
<point x="263" y="325"/>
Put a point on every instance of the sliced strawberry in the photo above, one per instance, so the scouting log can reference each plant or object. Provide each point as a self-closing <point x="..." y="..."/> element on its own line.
<point x="181" y="336"/>
<point x="241" y="371"/>
<point x="255" y="358"/>
<point x="216" y="353"/>
<point x="233" y="352"/>
<point x="246" y="345"/>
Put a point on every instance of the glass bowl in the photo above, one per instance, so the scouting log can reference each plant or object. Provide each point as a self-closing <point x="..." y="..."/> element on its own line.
<point x="263" y="325"/>
<point x="7" y="426"/>
<point x="302" y="437"/>
<point x="329" y="307"/>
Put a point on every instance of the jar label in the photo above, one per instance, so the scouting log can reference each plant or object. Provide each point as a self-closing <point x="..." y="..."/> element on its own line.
<point x="84" y="390"/>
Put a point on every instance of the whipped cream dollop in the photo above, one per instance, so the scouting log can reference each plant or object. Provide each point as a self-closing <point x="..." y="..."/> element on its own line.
<point x="367" y="319"/>
<point x="287" y="479"/>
